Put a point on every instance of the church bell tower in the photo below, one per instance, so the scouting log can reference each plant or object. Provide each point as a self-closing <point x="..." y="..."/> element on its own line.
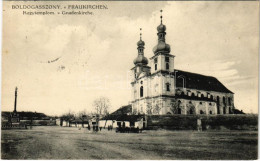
<point x="162" y="59"/>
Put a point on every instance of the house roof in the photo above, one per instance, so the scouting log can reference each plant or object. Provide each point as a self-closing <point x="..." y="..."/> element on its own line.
<point x="199" y="82"/>
<point x="130" y="118"/>
<point x="123" y="110"/>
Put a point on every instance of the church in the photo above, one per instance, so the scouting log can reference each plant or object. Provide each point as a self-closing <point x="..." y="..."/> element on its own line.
<point x="161" y="89"/>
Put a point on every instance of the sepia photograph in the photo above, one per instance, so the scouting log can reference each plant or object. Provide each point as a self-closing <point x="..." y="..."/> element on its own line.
<point x="129" y="80"/>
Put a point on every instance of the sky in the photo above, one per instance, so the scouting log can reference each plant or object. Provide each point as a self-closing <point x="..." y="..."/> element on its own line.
<point x="63" y="63"/>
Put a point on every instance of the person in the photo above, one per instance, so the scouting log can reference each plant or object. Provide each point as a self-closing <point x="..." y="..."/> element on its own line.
<point x="199" y="125"/>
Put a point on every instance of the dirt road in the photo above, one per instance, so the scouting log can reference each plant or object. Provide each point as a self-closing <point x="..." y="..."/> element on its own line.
<point x="72" y="143"/>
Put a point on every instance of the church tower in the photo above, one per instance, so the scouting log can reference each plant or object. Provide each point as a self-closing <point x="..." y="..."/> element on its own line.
<point x="141" y="69"/>
<point x="162" y="65"/>
<point x="162" y="61"/>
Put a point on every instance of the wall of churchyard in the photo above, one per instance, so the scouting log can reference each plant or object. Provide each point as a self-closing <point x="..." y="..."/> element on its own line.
<point x="209" y="122"/>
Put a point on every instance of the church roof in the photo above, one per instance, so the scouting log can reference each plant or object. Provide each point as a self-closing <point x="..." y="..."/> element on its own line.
<point x="199" y="82"/>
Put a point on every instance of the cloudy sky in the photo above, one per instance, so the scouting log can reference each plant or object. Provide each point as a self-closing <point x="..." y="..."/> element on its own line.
<point x="90" y="56"/>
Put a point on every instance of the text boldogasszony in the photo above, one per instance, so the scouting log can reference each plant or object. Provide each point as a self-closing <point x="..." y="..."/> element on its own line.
<point x="59" y="7"/>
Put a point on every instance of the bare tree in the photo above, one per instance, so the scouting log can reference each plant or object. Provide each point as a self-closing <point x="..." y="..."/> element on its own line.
<point x="149" y="108"/>
<point x="101" y="105"/>
<point x="68" y="116"/>
<point x="175" y="105"/>
<point x="157" y="109"/>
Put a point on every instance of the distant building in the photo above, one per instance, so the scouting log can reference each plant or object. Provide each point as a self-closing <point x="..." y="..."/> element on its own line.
<point x="162" y="89"/>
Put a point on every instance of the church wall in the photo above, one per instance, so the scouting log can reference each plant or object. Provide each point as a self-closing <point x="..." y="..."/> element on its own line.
<point x="222" y="106"/>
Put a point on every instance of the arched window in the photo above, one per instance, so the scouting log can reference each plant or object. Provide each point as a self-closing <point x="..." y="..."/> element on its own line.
<point x="192" y="95"/>
<point x="201" y="112"/>
<point x="182" y="93"/>
<point x="202" y="95"/>
<point x="179" y="110"/>
<point x="167" y="66"/>
<point x="155" y="67"/>
<point x="210" y="112"/>
<point x="141" y="91"/>
<point x="224" y="100"/>
<point x="167" y="59"/>
<point x="229" y="110"/>
<point x="211" y="97"/>
<point x="191" y="111"/>
<point x="229" y="101"/>
<point x="168" y="86"/>
<point x="218" y="110"/>
<point x="224" y="110"/>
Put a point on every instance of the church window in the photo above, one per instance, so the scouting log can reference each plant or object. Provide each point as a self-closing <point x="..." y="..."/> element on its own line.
<point x="224" y="110"/>
<point x="167" y="66"/>
<point x="210" y="112"/>
<point x="201" y="103"/>
<point x="229" y="101"/>
<point x="155" y="60"/>
<point x="141" y="91"/>
<point x="192" y="95"/>
<point x="202" y="95"/>
<point x="191" y="111"/>
<point x="211" y="97"/>
<point x="218" y="110"/>
<point x="217" y="100"/>
<point x="178" y="110"/>
<point x="182" y="93"/>
<point x="155" y="67"/>
<point x="229" y="110"/>
<point x="167" y="59"/>
<point x="168" y="86"/>
<point x="210" y="104"/>
<point x="224" y="100"/>
<point x="201" y="112"/>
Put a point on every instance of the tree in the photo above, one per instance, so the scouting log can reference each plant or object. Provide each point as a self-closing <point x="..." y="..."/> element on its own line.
<point x="68" y="116"/>
<point x="149" y="108"/>
<point x="157" y="109"/>
<point x="101" y="105"/>
<point x="174" y="106"/>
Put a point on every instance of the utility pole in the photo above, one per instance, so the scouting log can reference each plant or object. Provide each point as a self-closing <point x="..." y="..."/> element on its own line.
<point x="15" y="100"/>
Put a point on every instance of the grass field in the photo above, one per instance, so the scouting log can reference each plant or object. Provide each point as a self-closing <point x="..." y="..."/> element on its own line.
<point x="71" y="143"/>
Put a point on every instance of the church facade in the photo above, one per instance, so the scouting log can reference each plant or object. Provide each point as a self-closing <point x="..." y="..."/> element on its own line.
<point x="162" y="89"/>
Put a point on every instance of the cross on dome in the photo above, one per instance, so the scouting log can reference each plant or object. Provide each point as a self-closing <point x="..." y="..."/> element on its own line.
<point x="161" y="15"/>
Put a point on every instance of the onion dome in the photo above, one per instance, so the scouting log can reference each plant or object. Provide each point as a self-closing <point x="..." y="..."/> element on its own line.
<point x="162" y="47"/>
<point x="141" y="59"/>
<point x="161" y="28"/>
<point x="140" y="43"/>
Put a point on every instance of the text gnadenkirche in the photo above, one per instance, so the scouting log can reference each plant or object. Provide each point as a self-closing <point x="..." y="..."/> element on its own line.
<point x="57" y="7"/>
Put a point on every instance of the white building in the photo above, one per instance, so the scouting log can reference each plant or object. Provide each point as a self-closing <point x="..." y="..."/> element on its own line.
<point x="162" y="89"/>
